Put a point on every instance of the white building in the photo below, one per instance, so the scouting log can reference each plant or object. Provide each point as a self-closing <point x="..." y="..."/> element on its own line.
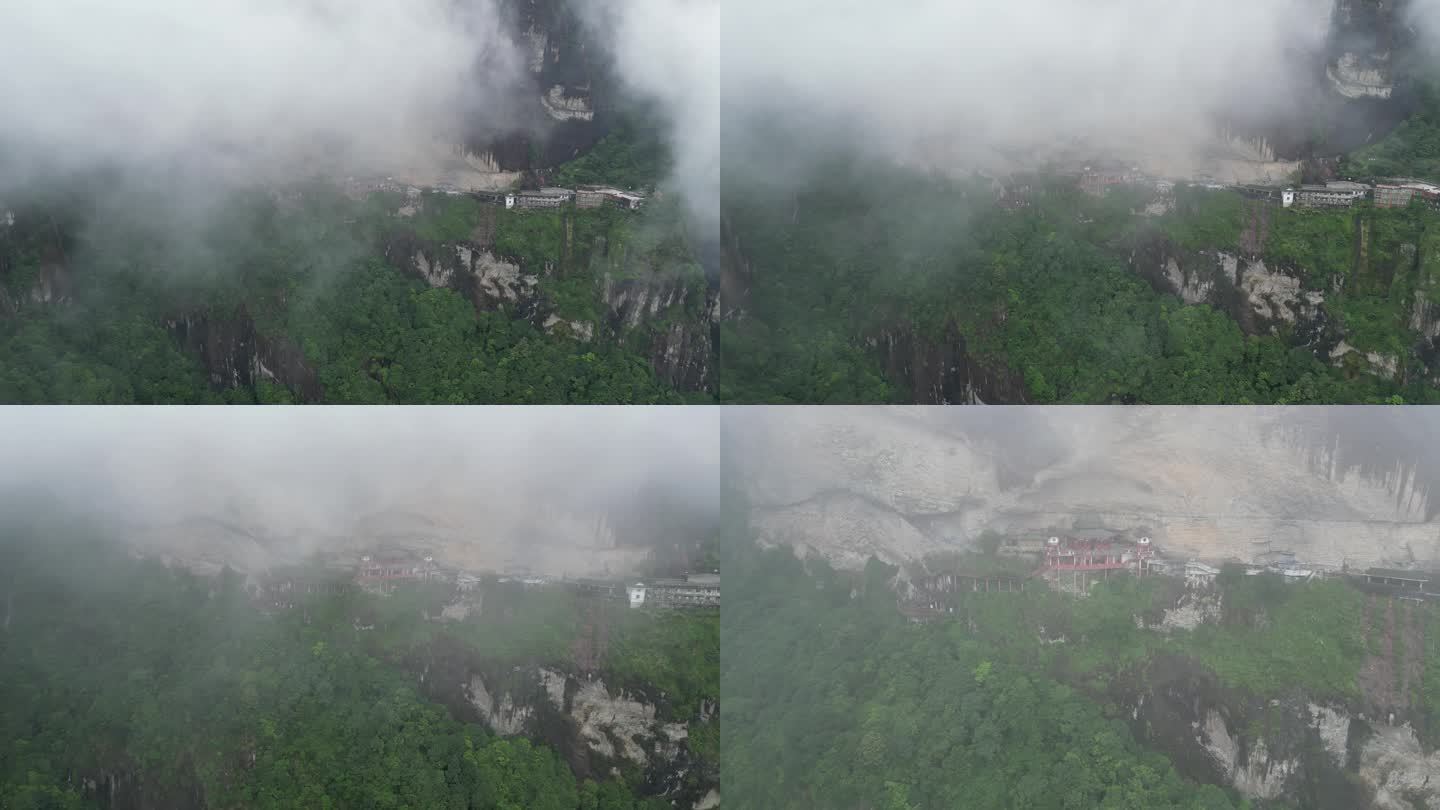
<point x="1287" y="198"/>
<point x="637" y="594"/>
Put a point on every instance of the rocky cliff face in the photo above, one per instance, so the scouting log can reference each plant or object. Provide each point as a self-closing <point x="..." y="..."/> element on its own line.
<point x="1363" y="35"/>
<point x="568" y="102"/>
<point x="1364" y="752"/>
<point x="1352" y="85"/>
<point x="1262" y="299"/>
<point x="670" y="316"/>
<point x="1205" y="483"/>
<point x="1269" y="299"/>
<point x="235" y="355"/>
<point x="596" y="728"/>
<point x="939" y="369"/>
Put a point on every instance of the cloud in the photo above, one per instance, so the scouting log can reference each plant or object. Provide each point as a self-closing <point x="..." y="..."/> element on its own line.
<point x="668" y="52"/>
<point x="491" y="481"/>
<point x="245" y="87"/>
<point x="974" y="83"/>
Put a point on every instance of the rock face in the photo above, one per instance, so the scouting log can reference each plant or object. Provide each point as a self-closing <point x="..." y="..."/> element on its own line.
<point x="236" y="355"/>
<point x="670" y="316"/>
<point x="488" y="281"/>
<point x="1326" y="756"/>
<point x="1205" y="483"/>
<point x="1260" y="298"/>
<point x="1289" y="751"/>
<point x="1362" y="42"/>
<point x="1264" y="299"/>
<point x="597" y="728"/>
<point x="682" y="320"/>
<point x="568" y="95"/>
<point x="939" y="370"/>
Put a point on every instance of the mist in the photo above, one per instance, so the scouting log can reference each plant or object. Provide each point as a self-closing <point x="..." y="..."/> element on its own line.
<point x="668" y="52"/>
<point x="1000" y="84"/>
<point x="554" y="490"/>
<point x="247" y="90"/>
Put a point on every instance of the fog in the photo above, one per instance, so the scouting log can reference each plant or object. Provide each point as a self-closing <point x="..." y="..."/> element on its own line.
<point x="995" y="84"/>
<point x="555" y="490"/>
<point x="246" y="89"/>
<point x="668" y="51"/>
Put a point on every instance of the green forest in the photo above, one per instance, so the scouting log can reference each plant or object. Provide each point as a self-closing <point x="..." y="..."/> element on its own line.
<point x="1042" y="293"/>
<point x="833" y="699"/>
<point x="176" y="687"/>
<point x="309" y="283"/>
<point x="1412" y="150"/>
<point x="836" y="702"/>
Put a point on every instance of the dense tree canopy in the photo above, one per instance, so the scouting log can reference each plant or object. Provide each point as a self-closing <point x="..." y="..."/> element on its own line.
<point x="123" y="669"/>
<point x="1041" y="292"/>
<point x="833" y="701"/>
<point x="94" y="303"/>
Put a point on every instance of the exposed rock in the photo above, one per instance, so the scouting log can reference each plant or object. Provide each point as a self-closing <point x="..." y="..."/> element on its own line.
<point x="1198" y="606"/>
<point x="1394" y="762"/>
<point x="597" y="728"/>
<point x="613" y="725"/>
<point x="1192" y="289"/>
<point x="1381" y="365"/>
<point x="1256" y="776"/>
<point x="1261" y="299"/>
<point x="1275" y="296"/>
<point x="901" y="486"/>
<point x="580" y="330"/>
<point x="488" y="280"/>
<point x="1334" y="728"/>
<point x="1425" y="316"/>
<point x="939" y="369"/>
<point x="1353" y="76"/>
<point x="503" y="715"/>
<point x="854" y="528"/>
<point x="563" y="107"/>
<point x="682" y="349"/>
<point x="235" y="355"/>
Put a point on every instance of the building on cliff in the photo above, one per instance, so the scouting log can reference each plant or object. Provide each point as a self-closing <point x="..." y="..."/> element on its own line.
<point x="543" y="198"/>
<point x="1097" y="181"/>
<point x="694" y="590"/>
<point x="1339" y="193"/>
<point x="385" y="573"/>
<point x="625" y="199"/>
<point x="1398" y="579"/>
<point x="1387" y="196"/>
<point x="1079" y="561"/>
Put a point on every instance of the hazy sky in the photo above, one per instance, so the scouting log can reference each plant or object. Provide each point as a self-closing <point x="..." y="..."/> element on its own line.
<point x="315" y="472"/>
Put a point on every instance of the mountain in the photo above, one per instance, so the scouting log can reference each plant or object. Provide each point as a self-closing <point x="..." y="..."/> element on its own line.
<point x="1335" y="487"/>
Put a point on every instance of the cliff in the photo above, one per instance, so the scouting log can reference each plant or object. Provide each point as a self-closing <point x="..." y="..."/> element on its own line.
<point x="567" y="101"/>
<point x="1362" y="296"/>
<point x="600" y="731"/>
<point x="591" y="286"/>
<point x="1365" y="750"/>
<point x="1333" y="488"/>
